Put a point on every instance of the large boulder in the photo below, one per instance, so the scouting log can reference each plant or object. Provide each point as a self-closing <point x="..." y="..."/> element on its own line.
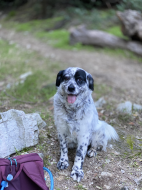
<point x="18" y="130"/>
<point x="131" y="24"/>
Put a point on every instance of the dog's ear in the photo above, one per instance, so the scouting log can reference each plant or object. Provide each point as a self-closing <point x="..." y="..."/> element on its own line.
<point x="90" y="82"/>
<point x="59" y="78"/>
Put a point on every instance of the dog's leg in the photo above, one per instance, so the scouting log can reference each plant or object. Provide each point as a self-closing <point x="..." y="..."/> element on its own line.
<point x="63" y="162"/>
<point x="91" y="152"/>
<point x="77" y="172"/>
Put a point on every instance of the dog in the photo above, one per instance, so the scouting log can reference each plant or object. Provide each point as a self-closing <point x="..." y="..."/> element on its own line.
<point x="76" y="119"/>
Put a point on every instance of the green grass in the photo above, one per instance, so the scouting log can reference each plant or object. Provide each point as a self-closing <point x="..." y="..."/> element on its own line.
<point x="31" y="90"/>
<point x="14" y="61"/>
<point x="125" y="118"/>
<point x="80" y="187"/>
<point x="60" y="39"/>
<point x="116" y="30"/>
<point x="10" y="62"/>
<point x="34" y="25"/>
<point x="23" y="150"/>
<point x="101" y="90"/>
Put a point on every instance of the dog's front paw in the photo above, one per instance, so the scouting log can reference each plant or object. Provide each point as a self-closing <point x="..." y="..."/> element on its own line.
<point x="91" y="153"/>
<point x="62" y="164"/>
<point x="77" y="174"/>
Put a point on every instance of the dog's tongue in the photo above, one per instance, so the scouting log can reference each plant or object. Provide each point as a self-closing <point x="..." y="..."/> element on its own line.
<point x="71" y="99"/>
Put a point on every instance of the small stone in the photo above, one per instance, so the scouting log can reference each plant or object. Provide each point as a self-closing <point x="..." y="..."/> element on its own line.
<point x="41" y="155"/>
<point x="137" y="107"/>
<point x="107" y="161"/>
<point x="1" y="83"/>
<point x="116" y="153"/>
<point x="50" y="127"/>
<point x="8" y="86"/>
<point x="106" y="174"/>
<point x="122" y="171"/>
<point x="110" y="146"/>
<point x="90" y="183"/>
<point x="138" y="181"/>
<point x="28" y="46"/>
<point x="100" y="103"/>
<point x="107" y="187"/>
<point x="98" y="187"/>
<point x="25" y="75"/>
<point x="125" y="108"/>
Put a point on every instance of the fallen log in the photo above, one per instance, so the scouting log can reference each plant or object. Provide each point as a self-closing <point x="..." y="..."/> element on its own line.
<point x="131" y="24"/>
<point x="102" y="39"/>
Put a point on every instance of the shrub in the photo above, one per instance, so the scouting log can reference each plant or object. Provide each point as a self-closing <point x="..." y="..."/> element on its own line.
<point x="130" y="4"/>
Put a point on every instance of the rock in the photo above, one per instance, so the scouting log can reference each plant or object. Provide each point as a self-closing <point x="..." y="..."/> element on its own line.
<point x="41" y="155"/>
<point x="106" y="174"/>
<point x="1" y="83"/>
<point x="41" y="124"/>
<point x="107" y="187"/>
<point x="28" y="46"/>
<point x="8" y="86"/>
<point x="125" y="107"/>
<point x="122" y="171"/>
<point x="137" y="107"/>
<point x="49" y="127"/>
<point x="107" y="161"/>
<point x="100" y="102"/>
<point x="24" y="76"/>
<point x="18" y="130"/>
<point x="138" y="181"/>
<point x="131" y="24"/>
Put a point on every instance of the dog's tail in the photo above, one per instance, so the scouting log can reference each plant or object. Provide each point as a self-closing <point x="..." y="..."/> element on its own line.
<point x="103" y="133"/>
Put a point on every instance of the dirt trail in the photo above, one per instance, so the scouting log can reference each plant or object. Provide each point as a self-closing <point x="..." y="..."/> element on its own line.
<point x="115" y="71"/>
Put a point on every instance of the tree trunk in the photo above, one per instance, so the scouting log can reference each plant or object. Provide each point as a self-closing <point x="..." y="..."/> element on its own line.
<point x="102" y="39"/>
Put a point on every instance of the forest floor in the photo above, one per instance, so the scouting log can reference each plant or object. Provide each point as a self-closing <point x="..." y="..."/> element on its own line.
<point x="117" y="79"/>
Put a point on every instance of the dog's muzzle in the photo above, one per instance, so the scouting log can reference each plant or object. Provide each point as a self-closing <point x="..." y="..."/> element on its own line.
<point x="71" y="97"/>
<point x="71" y="88"/>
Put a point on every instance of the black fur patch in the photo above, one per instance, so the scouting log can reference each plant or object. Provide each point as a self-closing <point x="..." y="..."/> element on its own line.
<point x="80" y="77"/>
<point x="91" y="82"/>
<point x="59" y="78"/>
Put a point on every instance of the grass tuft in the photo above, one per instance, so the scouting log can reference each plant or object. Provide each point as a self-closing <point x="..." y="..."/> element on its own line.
<point x="31" y="90"/>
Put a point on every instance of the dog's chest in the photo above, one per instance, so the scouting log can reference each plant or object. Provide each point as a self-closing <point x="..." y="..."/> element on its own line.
<point x="73" y="119"/>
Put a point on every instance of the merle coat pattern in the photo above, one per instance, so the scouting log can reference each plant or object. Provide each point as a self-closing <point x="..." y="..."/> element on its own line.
<point x="76" y="119"/>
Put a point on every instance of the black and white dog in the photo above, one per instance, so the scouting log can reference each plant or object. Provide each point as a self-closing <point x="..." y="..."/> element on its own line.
<point x="76" y="119"/>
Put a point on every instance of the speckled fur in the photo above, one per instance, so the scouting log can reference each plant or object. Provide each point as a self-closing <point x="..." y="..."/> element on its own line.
<point x="78" y="124"/>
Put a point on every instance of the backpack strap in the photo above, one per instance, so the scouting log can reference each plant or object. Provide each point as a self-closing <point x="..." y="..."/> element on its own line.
<point x="17" y="174"/>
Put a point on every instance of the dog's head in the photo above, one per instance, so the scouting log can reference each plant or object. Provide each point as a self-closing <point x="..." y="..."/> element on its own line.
<point x="74" y="84"/>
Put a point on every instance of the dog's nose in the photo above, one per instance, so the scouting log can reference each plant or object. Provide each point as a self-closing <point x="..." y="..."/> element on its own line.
<point x="71" y="88"/>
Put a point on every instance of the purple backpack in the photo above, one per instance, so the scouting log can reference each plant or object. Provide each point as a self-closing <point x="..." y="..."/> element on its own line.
<point x="23" y="172"/>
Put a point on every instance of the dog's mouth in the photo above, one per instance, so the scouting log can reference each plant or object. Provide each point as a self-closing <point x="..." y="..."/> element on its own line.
<point x="71" y="98"/>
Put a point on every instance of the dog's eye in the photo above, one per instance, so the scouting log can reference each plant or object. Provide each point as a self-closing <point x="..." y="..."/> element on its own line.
<point x="79" y="80"/>
<point x="66" y="78"/>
